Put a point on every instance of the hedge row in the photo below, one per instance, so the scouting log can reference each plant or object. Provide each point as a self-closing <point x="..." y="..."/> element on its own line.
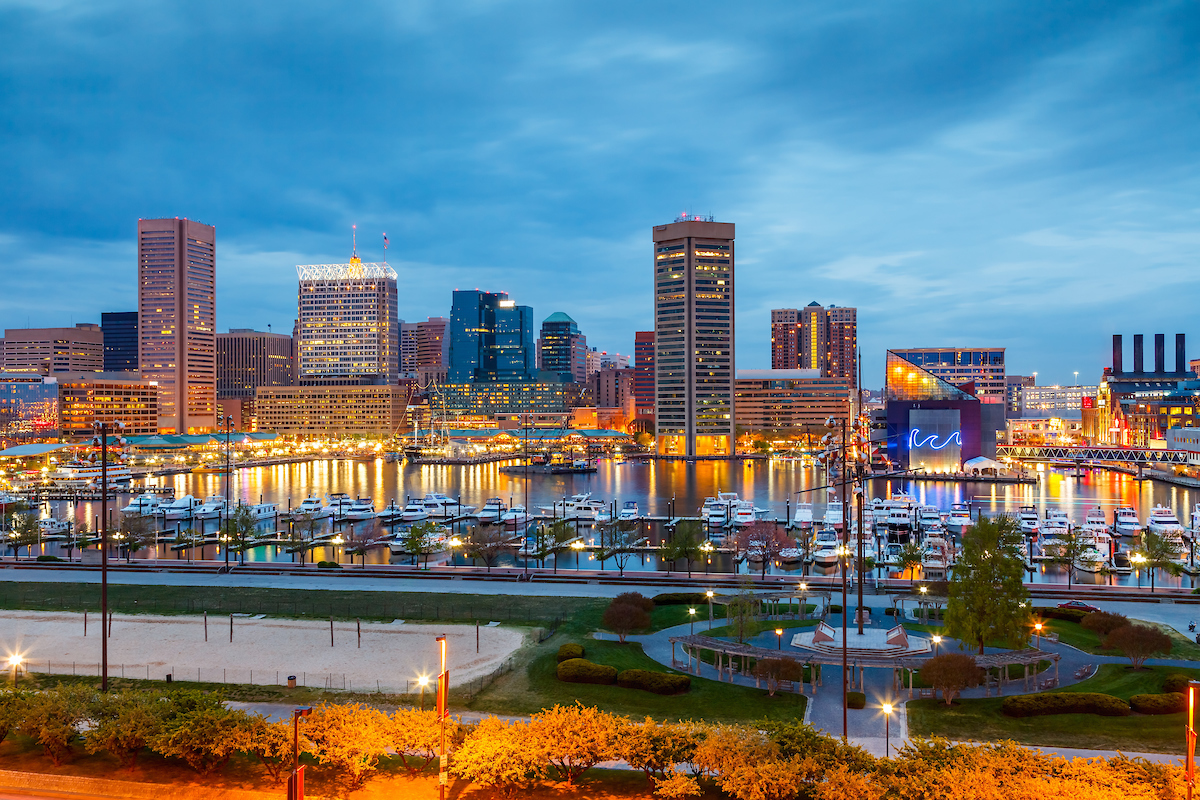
<point x="657" y="682"/>
<point x="580" y="670"/>
<point x="1176" y="683"/>
<point x="1065" y="614"/>
<point x="1036" y="705"/>
<point x="1168" y="703"/>
<point x="568" y="651"/>
<point x="680" y="599"/>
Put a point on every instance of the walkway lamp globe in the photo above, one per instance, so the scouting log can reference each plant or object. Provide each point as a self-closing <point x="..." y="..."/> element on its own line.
<point x="692" y="619"/>
<point x="1037" y="626"/>
<point x="1137" y="559"/>
<point x="887" y="729"/>
<point x="14" y="663"/>
<point x="577" y="546"/>
<point x="779" y="638"/>
<point x="937" y="641"/>
<point x="423" y="681"/>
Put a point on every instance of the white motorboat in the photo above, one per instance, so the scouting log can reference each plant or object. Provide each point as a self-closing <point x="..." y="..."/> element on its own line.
<point x="959" y="518"/>
<point x="825" y="547"/>
<point x="936" y="555"/>
<point x="1095" y="520"/>
<point x="900" y="518"/>
<point x="833" y="514"/>
<point x="515" y="516"/>
<point x="360" y="509"/>
<point x="576" y="506"/>
<point x="879" y="514"/>
<point x="929" y="518"/>
<point x="311" y="506"/>
<point x="52" y="528"/>
<point x="1095" y="546"/>
<point x="180" y="508"/>
<point x="803" y="516"/>
<point x="1027" y="517"/>
<point x="446" y="506"/>
<point x="492" y="510"/>
<point x="1053" y="533"/>
<point x="1196" y="520"/>
<point x="212" y="508"/>
<point x="392" y="512"/>
<point x="144" y="505"/>
<point x="1162" y="520"/>
<point x="791" y="555"/>
<point x="263" y="511"/>
<point x="1126" y="522"/>
<point x="339" y="505"/>
<point x="629" y="511"/>
<point x="744" y="513"/>
<point x="714" y="512"/>
<point x="414" y="511"/>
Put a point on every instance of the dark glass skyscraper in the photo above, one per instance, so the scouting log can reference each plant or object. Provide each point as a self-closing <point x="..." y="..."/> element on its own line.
<point x="563" y="348"/>
<point x="120" y="340"/>
<point x="491" y="339"/>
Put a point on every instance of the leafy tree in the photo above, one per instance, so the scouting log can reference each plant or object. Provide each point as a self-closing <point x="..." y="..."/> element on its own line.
<point x="239" y="527"/>
<point x="950" y="673"/>
<point x="656" y="748"/>
<point x="987" y="596"/>
<point x="685" y="543"/>
<point x="1139" y="642"/>
<point x="552" y="539"/>
<point x="204" y="737"/>
<point x="25" y="533"/>
<point x="52" y="718"/>
<point x="137" y="533"/>
<point x="909" y="558"/>
<point x="777" y="670"/>
<point x="1102" y="623"/>
<point x="763" y="538"/>
<point x="505" y="756"/>
<point x="620" y="539"/>
<point x="417" y="735"/>
<point x="1068" y="552"/>
<point x="575" y="738"/>
<point x="419" y="540"/>
<point x="488" y="543"/>
<point x="12" y="711"/>
<point x="742" y="612"/>
<point x="124" y="723"/>
<point x="350" y="738"/>
<point x="623" y="618"/>
<point x="677" y="785"/>
<point x="1160" y="553"/>
<point x="269" y="742"/>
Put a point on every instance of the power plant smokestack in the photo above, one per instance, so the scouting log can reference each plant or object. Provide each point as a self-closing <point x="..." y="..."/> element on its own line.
<point x="1160" y="353"/>
<point x="1117" y="366"/>
<point x="1137" y="353"/>
<point x="1180" y="353"/>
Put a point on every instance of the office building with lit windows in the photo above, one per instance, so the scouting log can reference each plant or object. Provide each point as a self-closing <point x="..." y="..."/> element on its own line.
<point x="120" y="330"/>
<point x="45" y="351"/>
<point x="815" y="337"/>
<point x="177" y="321"/>
<point x="982" y="367"/>
<point x="562" y="348"/>
<point x="694" y="337"/>
<point x="643" y="380"/>
<point x="349" y="330"/>
<point x="248" y="359"/>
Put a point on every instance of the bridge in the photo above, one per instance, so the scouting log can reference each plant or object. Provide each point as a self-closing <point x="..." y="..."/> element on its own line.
<point x="1080" y="455"/>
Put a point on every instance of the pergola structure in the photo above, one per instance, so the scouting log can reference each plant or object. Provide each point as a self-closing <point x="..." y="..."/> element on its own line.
<point x="924" y="602"/>
<point x="988" y="662"/>
<point x="774" y="602"/>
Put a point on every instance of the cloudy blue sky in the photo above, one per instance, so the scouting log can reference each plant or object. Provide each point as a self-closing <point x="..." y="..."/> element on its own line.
<point x="1014" y="174"/>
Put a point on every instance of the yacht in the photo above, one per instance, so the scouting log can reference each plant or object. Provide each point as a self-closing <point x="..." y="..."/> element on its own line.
<point x="803" y="517"/>
<point x="51" y="528"/>
<point x="414" y="511"/>
<point x="492" y="510"/>
<point x="891" y="553"/>
<point x="263" y="511"/>
<point x="899" y="518"/>
<point x="929" y="519"/>
<point x="1096" y="546"/>
<point x="144" y="505"/>
<point x="959" y="519"/>
<point x="312" y="507"/>
<point x="744" y="513"/>
<point x="825" y="547"/>
<point x="440" y="505"/>
<point x="577" y="505"/>
<point x="1027" y="517"/>
<point x="180" y="508"/>
<point x="362" y="508"/>
<point x="629" y="510"/>
<point x="1126" y="522"/>
<point x="212" y="507"/>
<point x="515" y="516"/>
<point x="879" y="514"/>
<point x="1054" y="531"/>
<point x="791" y="555"/>
<point x="1096" y="520"/>
<point x="1162" y="520"/>
<point x="1196" y="520"/>
<point x="339" y="505"/>
<point x="392" y="511"/>
<point x="833" y="514"/>
<point x="88" y="473"/>
<point x="713" y="511"/>
<point x="935" y="556"/>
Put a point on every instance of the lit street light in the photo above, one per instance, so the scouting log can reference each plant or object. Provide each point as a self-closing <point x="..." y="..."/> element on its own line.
<point x="423" y="681"/>
<point x="709" y="595"/>
<point x="577" y="546"/>
<point x="887" y="729"/>
<point x="779" y="638"/>
<point x="937" y="641"/>
<point x="692" y="619"/>
<point x="14" y="661"/>
<point x="1037" y="626"/>
<point x="1138" y="559"/>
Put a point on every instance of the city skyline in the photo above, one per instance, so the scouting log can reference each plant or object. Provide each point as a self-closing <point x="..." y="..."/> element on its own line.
<point x="987" y="181"/>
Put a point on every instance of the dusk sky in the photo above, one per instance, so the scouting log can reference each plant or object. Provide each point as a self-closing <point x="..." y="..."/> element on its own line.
<point x="976" y="174"/>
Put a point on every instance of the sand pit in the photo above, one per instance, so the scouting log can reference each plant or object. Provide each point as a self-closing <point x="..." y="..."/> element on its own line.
<point x="263" y="650"/>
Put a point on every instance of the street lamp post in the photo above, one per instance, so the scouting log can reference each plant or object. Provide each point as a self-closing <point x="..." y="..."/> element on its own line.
<point x="423" y="681"/>
<point x="102" y="429"/>
<point x="692" y="619"/>
<point x="443" y="696"/>
<point x="296" y="781"/>
<point x="779" y="639"/>
<point x="887" y="729"/>
<point x="803" y="600"/>
<point x="577" y="546"/>
<point x="709" y="595"/>
<point x="14" y="661"/>
<point x="1138" y="559"/>
<point x="1037" y="626"/>
<point x="937" y="644"/>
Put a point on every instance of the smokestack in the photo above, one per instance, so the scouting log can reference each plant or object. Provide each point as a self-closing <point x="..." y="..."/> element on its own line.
<point x="1137" y="352"/>
<point x="1117" y="366"/>
<point x="1180" y="353"/>
<point x="1160" y="353"/>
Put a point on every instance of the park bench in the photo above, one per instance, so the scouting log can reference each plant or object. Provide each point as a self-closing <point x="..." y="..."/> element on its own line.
<point x="1049" y="683"/>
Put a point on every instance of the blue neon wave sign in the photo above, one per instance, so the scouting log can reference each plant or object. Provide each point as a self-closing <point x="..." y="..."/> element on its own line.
<point x="931" y="441"/>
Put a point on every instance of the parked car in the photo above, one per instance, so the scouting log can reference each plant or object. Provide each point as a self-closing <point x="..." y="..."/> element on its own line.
<point x="1078" y="605"/>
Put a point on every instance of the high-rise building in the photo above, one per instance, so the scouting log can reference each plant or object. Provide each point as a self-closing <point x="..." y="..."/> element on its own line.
<point x="694" y="337"/>
<point x="49" y="350"/>
<point x="981" y="367"/>
<point x="491" y="339"/>
<point x="613" y="388"/>
<point x="408" y="348"/>
<point x="433" y="346"/>
<point x="120" y="340"/>
<point x="248" y="359"/>
<point x="789" y="400"/>
<point x="815" y="337"/>
<point x="88" y="397"/>
<point x="1013" y="386"/>
<point x="349" y="331"/>
<point x="643" y="380"/>
<point x="562" y="348"/>
<point x="177" y="346"/>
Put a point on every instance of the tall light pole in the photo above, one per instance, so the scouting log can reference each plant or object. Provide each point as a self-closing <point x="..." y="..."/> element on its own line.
<point x="443" y="696"/>
<point x="887" y="729"/>
<point x="296" y="781"/>
<point x="101" y="439"/>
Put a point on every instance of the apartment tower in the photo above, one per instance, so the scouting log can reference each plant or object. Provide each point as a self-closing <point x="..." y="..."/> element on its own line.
<point x="177" y="317"/>
<point x="815" y="337"/>
<point x="694" y="330"/>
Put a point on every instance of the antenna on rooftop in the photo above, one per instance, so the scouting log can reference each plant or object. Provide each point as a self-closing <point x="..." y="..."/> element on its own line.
<point x="354" y="240"/>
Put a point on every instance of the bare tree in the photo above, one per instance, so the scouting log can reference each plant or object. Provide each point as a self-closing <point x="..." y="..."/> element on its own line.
<point x="623" y="538"/>
<point x="488" y="543"/>
<point x="763" y="539"/>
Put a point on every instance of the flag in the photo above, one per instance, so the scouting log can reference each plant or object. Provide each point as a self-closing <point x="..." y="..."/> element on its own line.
<point x="385" y="241"/>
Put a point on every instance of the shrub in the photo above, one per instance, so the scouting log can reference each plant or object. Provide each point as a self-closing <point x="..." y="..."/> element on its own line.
<point x="1176" y="683"/>
<point x="776" y="670"/>
<point x="635" y="599"/>
<point x="856" y="700"/>
<point x="580" y="670"/>
<point x="1168" y="703"/>
<point x="624" y="618"/>
<point x="53" y="718"/>
<point x="1035" y="705"/>
<point x="1103" y="623"/>
<point x="657" y="682"/>
<point x="890" y="612"/>
<point x="835" y="609"/>
<point x="1064" y="614"/>
<point x="680" y="599"/>
<point x="328" y="565"/>
<point x="1139" y="642"/>
<point x="951" y="673"/>
<point x="568" y="651"/>
<point x="48" y="558"/>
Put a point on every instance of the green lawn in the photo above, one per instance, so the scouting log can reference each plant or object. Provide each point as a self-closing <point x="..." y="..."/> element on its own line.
<point x="1075" y="635"/>
<point x="981" y="720"/>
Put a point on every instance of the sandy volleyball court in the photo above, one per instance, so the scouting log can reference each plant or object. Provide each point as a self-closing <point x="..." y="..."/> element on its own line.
<point x="391" y="655"/>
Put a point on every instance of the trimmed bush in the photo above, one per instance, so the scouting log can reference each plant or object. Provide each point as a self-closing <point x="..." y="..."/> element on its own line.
<point x="580" y="670"/>
<point x="890" y="612"/>
<point x="657" y="682"/>
<point x="1176" y="683"/>
<point x="1065" y="614"/>
<point x="1036" y="705"/>
<point x="856" y="700"/>
<point x="568" y="651"/>
<point x="1169" y="703"/>
<point x="328" y="565"/>
<point x="835" y="609"/>
<point x="48" y="558"/>
<point x="680" y="599"/>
